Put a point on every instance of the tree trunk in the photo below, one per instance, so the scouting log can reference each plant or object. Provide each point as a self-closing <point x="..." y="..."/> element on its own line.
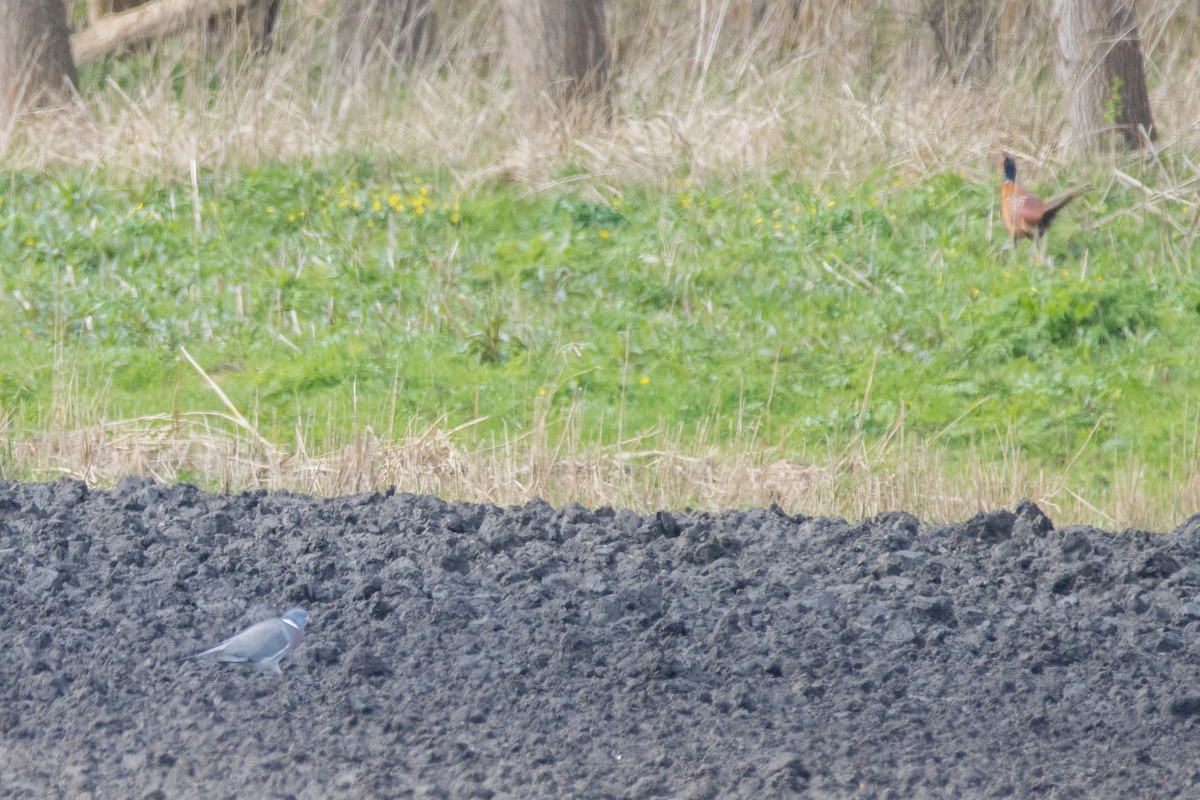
<point x="248" y="28"/>
<point x="1102" y="71"/>
<point x="964" y="36"/>
<point x="953" y="39"/>
<point x="103" y="8"/>
<point x="558" y="50"/>
<point x="385" y="32"/>
<point x="35" y="53"/>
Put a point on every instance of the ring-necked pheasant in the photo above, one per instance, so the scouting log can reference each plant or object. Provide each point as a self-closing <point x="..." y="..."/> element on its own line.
<point x="1025" y="214"/>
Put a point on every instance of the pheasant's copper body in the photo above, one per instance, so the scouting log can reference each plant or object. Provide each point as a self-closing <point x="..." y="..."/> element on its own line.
<point x="1025" y="214"/>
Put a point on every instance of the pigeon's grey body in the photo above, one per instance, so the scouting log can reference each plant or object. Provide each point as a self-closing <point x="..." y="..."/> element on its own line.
<point x="264" y="643"/>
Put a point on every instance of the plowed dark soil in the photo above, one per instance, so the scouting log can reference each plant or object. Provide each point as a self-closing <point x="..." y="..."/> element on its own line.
<point x="463" y="651"/>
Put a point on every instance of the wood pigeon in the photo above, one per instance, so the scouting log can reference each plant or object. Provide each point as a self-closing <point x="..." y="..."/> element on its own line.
<point x="264" y="643"/>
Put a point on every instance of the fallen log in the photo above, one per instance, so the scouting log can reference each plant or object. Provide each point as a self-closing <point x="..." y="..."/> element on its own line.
<point x="118" y="32"/>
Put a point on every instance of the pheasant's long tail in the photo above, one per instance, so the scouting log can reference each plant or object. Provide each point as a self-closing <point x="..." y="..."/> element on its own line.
<point x="1055" y="204"/>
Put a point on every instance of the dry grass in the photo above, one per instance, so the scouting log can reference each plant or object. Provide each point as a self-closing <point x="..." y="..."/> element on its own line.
<point x="224" y="450"/>
<point x="842" y="91"/>
<point x="645" y="475"/>
<point x="835" y="95"/>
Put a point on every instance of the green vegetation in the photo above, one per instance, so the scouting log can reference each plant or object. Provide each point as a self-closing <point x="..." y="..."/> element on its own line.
<point x="326" y="298"/>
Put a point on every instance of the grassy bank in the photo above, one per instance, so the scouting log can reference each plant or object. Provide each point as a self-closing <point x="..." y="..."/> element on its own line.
<point x="841" y="348"/>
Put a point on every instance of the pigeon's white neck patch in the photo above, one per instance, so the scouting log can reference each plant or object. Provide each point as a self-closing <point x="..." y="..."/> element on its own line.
<point x="289" y="622"/>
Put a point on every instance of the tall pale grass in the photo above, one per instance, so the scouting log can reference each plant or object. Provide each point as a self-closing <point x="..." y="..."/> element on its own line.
<point x="558" y="461"/>
<point x="842" y="90"/>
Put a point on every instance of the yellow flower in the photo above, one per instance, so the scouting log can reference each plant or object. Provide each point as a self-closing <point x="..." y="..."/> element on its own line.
<point x="541" y="391"/>
<point x="644" y="380"/>
<point x="830" y="203"/>
<point x="270" y="209"/>
<point x="378" y="206"/>
<point x="685" y="200"/>
<point x="974" y="291"/>
<point x="604" y="233"/>
<point x="1033" y="290"/>
<point x="758" y="220"/>
<point x="1007" y="275"/>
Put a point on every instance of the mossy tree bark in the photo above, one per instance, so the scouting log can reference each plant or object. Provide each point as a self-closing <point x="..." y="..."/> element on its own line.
<point x="1103" y="73"/>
